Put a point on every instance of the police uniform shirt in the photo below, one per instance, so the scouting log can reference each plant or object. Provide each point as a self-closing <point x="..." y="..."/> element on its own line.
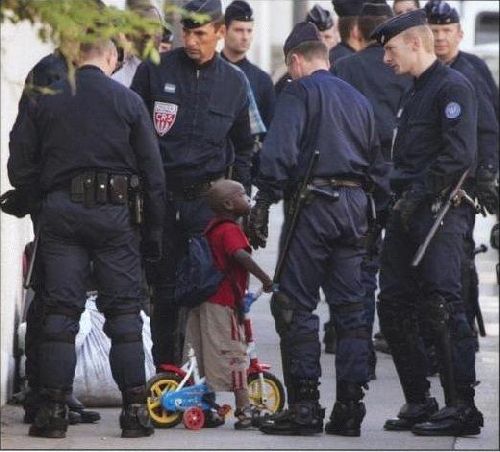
<point x="368" y="73"/>
<point x="487" y="134"/>
<point x="196" y="110"/>
<point x="311" y="114"/>
<point x="262" y="88"/>
<point x="437" y="134"/>
<point x="102" y="126"/>
<point x="341" y="50"/>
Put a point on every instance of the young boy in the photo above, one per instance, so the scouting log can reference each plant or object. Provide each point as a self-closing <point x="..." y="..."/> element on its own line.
<point x="213" y="329"/>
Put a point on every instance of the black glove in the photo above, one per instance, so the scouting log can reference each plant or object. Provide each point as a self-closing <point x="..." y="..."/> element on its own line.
<point x="152" y="245"/>
<point x="487" y="190"/>
<point x="258" y="223"/>
<point x="20" y="202"/>
<point x="407" y="205"/>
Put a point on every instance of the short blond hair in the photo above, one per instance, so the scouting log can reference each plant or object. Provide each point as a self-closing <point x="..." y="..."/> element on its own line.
<point x="424" y="33"/>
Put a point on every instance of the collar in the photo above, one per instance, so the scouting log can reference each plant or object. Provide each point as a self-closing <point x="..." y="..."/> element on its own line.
<point x="89" y="67"/>
<point x="238" y="63"/>
<point x="347" y="46"/>
<point x="215" y="222"/>
<point x="422" y="80"/>
<point x="197" y="66"/>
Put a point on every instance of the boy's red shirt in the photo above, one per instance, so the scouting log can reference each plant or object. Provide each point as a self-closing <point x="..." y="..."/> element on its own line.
<point x="226" y="238"/>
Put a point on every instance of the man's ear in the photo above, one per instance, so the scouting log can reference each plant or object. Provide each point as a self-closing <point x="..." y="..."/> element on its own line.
<point x="221" y="32"/>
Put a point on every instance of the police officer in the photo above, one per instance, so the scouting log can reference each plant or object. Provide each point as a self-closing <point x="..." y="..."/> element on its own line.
<point x="347" y="11"/>
<point x="445" y="25"/>
<point x="435" y="145"/>
<point x="325" y="24"/>
<point x="83" y="151"/>
<point x="48" y="70"/>
<point x="239" y="23"/>
<point x="326" y="248"/>
<point x="367" y="72"/>
<point x="199" y="107"/>
<point x="405" y="6"/>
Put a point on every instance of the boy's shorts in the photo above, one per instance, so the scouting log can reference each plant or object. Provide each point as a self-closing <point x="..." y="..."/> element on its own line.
<point x="219" y="343"/>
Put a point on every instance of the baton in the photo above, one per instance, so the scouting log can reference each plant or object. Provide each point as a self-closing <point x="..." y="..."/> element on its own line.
<point x="27" y="280"/>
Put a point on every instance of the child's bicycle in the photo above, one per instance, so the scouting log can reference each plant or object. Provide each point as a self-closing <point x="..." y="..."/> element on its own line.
<point x="180" y="395"/>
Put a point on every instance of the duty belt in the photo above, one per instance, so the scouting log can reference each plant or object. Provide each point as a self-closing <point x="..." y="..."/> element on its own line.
<point x="335" y="183"/>
<point x="191" y="192"/>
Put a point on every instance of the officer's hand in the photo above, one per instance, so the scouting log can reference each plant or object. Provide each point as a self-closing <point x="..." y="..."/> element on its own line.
<point x="406" y="206"/>
<point x="152" y="245"/>
<point x="487" y="190"/>
<point x="258" y="224"/>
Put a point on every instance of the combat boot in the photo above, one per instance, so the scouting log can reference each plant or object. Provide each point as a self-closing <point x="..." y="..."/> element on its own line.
<point x="411" y="414"/>
<point x="461" y="420"/>
<point x="31" y="405"/>
<point x="134" y="418"/>
<point x="77" y="410"/>
<point x="348" y="412"/>
<point x="51" y="420"/>
<point x="304" y="417"/>
<point x="330" y="338"/>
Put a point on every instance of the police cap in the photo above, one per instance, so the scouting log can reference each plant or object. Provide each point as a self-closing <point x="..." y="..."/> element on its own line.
<point x="211" y="10"/>
<point x="302" y="32"/>
<point x="320" y="17"/>
<point x="396" y="25"/>
<point x="345" y="8"/>
<point x="167" y="36"/>
<point x="238" y="10"/>
<point x="376" y="9"/>
<point x="441" y="13"/>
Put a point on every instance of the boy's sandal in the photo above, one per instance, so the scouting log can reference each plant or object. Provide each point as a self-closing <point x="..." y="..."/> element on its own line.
<point x="247" y="418"/>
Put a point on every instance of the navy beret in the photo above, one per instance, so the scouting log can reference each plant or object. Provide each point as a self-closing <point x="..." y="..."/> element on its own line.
<point x="396" y="25"/>
<point x="441" y="13"/>
<point x="345" y="8"/>
<point x="211" y="9"/>
<point x="302" y="32"/>
<point x="377" y="9"/>
<point x="320" y="17"/>
<point x="238" y="10"/>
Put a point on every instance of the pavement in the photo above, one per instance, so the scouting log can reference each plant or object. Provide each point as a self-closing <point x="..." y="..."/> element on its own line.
<point x="383" y="399"/>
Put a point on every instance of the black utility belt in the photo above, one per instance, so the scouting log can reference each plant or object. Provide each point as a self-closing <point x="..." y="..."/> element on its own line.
<point x="322" y="182"/>
<point x="191" y="192"/>
<point x="93" y="187"/>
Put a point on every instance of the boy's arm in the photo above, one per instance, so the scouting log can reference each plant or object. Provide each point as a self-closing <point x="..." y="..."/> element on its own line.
<point x="245" y="259"/>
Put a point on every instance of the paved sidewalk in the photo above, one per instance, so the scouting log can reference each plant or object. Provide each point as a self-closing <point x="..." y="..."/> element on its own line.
<point x="382" y="400"/>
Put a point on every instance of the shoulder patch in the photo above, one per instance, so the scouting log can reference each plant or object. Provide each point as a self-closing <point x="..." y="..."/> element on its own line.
<point x="453" y="110"/>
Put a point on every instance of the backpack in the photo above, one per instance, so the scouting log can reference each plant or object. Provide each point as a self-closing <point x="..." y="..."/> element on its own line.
<point x="197" y="276"/>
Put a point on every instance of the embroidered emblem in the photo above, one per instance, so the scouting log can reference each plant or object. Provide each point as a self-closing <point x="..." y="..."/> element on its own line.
<point x="164" y="115"/>
<point x="453" y="110"/>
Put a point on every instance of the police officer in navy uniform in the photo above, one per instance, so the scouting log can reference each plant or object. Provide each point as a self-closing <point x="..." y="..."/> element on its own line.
<point x="327" y="247"/>
<point x="48" y="70"/>
<point x="348" y="12"/>
<point x="80" y="152"/>
<point x="239" y="22"/>
<point x="436" y="144"/>
<point x="367" y="72"/>
<point x="199" y="107"/>
<point x="445" y="24"/>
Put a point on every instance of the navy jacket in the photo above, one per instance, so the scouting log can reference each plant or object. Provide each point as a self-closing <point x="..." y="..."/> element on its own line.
<point x="262" y="87"/>
<point x="367" y="72"/>
<point x="200" y="114"/>
<point x="437" y="134"/>
<point x="312" y="114"/>
<point x="341" y="50"/>
<point x="483" y="69"/>
<point x="102" y="126"/>
<point x="487" y="132"/>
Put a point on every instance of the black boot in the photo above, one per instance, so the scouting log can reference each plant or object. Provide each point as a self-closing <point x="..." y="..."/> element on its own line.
<point x="461" y="420"/>
<point x="31" y="405"/>
<point x="51" y="418"/>
<point x="348" y="412"/>
<point x="330" y="338"/>
<point x="77" y="408"/>
<point x="411" y="414"/>
<point x="134" y="418"/>
<point x="304" y="417"/>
